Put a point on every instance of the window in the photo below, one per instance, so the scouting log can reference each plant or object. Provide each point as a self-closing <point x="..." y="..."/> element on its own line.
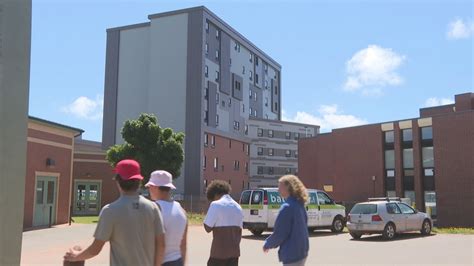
<point x="246" y="167"/>
<point x="288" y="135"/>
<point x="207" y="48"/>
<point x="430" y="203"/>
<point x="392" y="208"/>
<point x="259" y="151"/>
<point x="236" y="125"/>
<point x="204" y="162"/>
<point x="207" y="26"/>
<point x="390" y="159"/>
<point x="405" y="208"/>
<point x="206" y="71"/>
<point x="206" y="116"/>
<point x="428" y="157"/>
<point x="276" y="90"/>
<point x="217" y="54"/>
<point x="217" y="120"/>
<point x="250" y="75"/>
<point x="243" y="70"/>
<point x="270" y="152"/>
<point x="237" y="47"/>
<point x="246" y="129"/>
<point x="236" y="165"/>
<point x="266" y="84"/>
<point x="407" y="135"/>
<point x="223" y="103"/>
<point x="255" y="97"/>
<point x="245" y="198"/>
<point x="230" y="61"/>
<point x="213" y="140"/>
<point x="216" y="163"/>
<point x="270" y="133"/>
<point x="256" y="60"/>
<point x="217" y="98"/>
<point x="206" y="139"/>
<point x="288" y="171"/>
<point x="230" y="102"/>
<point x="250" y="58"/>
<point x="260" y="170"/>
<point x="217" y="75"/>
<point x="257" y="198"/>
<point x="276" y="106"/>
<point x="265" y="66"/>
<point x="297" y="135"/>
<point x="270" y="170"/>
<point x="206" y="94"/>
<point x="247" y="149"/>
<point x="256" y="78"/>
<point x="250" y="94"/>
<point x="260" y="132"/>
<point x="266" y="101"/>
<point x="230" y="143"/>
<point x="429" y="172"/>
<point x="251" y="111"/>
<point x="390" y="173"/>
<point x="324" y="199"/>
<point x="266" y="116"/>
<point x="389" y="137"/>
<point x="243" y="108"/>
<point x="408" y="158"/>
<point x="364" y="209"/>
<point x="426" y="133"/>
<point x="288" y="153"/>
<point x="255" y="113"/>
<point x="237" y="85"/>
<point x="296" y="154"/>
<point x="217" y="34"/>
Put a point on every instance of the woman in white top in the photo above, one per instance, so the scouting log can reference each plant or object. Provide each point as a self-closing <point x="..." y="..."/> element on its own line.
<point x="174" y="218"/>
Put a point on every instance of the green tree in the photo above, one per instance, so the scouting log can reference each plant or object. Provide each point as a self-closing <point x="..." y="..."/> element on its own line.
<point x="153" y="147"/>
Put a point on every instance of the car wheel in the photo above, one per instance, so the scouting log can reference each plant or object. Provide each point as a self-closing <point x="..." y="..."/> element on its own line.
<point x="355" y="236"/>
<point x="389" y="232"/>
<point x="256" y="232"/>
<point x="337" y="225"/>
<point x="426" y="227"/>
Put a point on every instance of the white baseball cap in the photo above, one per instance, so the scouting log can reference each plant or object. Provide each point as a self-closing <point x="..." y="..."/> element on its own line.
<point x="160" y="178"/>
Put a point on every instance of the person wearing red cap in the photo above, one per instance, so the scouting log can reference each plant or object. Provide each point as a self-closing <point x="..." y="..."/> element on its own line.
<point x="174" y="217"/>
<point x="132" y="224"/>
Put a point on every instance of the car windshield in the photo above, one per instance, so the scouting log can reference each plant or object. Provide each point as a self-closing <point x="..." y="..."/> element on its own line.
<point x="364" y="209"/>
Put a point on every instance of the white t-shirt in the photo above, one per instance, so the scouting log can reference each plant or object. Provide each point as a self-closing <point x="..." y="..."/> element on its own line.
<point x="174" y="220"/>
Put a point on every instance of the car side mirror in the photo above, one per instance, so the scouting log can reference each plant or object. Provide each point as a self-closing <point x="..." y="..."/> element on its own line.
<point x="416" y="211"/>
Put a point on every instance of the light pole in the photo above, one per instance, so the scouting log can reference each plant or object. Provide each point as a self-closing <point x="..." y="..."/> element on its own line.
<point x="373" y="182"/>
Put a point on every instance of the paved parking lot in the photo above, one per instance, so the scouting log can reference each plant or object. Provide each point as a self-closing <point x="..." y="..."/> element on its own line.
<point x="46" y="247"/>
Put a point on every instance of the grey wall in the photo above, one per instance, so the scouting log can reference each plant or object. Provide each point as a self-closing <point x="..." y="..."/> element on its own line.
<point x="194" y="85"/>
<point x="109" y="122"/>
<point x="257" y="105"/>
<point x="212" y="104"/>
<point x="15" y="43"/>
<point x="237" y="94"/>
<point x="225" y="64"/>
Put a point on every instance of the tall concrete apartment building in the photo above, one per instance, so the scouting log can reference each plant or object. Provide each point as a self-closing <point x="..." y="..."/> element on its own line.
<point x="429" y="159"/>
<point x="200" y="77"/>
<point x="274" y="149"/>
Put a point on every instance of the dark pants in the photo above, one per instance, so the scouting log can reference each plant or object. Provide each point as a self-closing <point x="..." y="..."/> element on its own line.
<point x="223" y="262"/>
<point x="178" y="262"/>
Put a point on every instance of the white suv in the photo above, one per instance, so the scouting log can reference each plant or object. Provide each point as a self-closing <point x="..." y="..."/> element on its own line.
<point x="386" y="216"/>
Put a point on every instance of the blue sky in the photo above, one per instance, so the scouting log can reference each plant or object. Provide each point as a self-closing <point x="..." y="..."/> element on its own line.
<point x="343" y="63"/>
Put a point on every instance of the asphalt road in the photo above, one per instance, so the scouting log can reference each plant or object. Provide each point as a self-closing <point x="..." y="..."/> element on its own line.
<point x="47" y="246"/>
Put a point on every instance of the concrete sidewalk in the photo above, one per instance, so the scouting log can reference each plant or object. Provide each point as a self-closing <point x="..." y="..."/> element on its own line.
<point x="47" y="246"/>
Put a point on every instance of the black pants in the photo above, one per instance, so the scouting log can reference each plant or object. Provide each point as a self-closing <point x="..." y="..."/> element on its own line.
<point x="178" y="262"/>
<point x="223" y="262"/>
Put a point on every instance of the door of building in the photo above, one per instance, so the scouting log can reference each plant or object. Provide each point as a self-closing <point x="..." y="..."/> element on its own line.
<point x="87" y="197"/>
<point x="45" y="201"/>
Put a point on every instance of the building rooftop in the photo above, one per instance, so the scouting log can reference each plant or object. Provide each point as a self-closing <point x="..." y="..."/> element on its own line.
<point x="51" y="123"/>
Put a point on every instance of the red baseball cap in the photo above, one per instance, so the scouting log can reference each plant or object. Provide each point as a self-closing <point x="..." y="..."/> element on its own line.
<point x="128" y="170"/>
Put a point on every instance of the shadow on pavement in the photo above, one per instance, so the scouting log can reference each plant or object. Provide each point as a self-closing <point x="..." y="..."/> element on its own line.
<point x="400" y="237"/>
<point x="311" y="235"/>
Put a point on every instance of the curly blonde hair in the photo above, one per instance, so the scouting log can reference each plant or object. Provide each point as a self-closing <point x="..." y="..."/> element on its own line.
<point x="296" y="188"/>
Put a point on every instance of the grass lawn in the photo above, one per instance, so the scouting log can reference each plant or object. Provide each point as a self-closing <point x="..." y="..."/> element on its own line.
<point x="453" y="230"/>
<point x="85" y="219"/>
<point x="193" y="219"/>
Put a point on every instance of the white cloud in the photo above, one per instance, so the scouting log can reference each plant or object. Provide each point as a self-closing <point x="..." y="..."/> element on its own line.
<point x="460" y="29"/>
<point x="430" y="102"/>
<point x="372" y="68"/>
<point x="86" y="108"/>
<point x="329" y="117"/>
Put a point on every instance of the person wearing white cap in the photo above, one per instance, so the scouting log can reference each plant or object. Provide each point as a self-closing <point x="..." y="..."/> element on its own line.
<point x="174" y="217"/>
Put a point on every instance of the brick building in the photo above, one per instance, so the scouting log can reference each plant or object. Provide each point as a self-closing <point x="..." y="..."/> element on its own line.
<point x="429" y="159"/>
<point x="48" y="172"/>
